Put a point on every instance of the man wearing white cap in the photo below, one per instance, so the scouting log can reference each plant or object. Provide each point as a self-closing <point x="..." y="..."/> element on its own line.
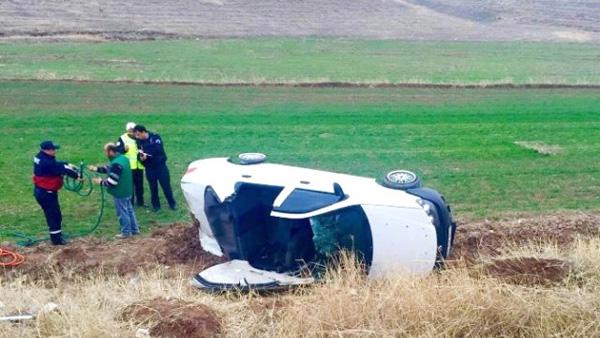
<point x="127" y="146"/>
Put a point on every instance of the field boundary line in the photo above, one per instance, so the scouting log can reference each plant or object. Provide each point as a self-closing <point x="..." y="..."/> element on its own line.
<point x="328" y="84"/>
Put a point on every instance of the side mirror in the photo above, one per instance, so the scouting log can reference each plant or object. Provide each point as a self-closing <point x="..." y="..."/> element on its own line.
<point x="337" y="190"/>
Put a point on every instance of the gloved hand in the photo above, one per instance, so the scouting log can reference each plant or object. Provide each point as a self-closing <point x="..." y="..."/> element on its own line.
<point x="97" y="180"/>
<point x="92" y="168"/>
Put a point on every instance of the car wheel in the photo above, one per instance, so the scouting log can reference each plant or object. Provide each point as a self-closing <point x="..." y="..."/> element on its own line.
<point x="252" y="158"/>
<point x="401" y="179"/>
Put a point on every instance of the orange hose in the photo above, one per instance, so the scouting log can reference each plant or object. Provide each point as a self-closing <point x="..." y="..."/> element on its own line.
<point x="14" y="259"/>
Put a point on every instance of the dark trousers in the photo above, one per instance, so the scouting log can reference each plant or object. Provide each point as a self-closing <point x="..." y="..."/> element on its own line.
<point x="49" y="203"/>
<point x="138" y="187"/>
<point x="156" y="175"/>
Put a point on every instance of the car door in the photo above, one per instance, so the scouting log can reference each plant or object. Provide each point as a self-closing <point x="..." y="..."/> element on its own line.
<point x="240" y="275"/>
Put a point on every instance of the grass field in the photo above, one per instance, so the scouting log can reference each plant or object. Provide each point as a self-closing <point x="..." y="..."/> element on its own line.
<point x="460" y="140"/>
<point x="305" y="60"/>
<point x="531" y="276"/>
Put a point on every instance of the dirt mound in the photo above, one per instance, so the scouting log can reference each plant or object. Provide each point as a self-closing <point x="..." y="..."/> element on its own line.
<point x="178" y="246"/>
<point x="175" y="245"/>
<point x="173" y="318"/>
<point x="528" y="271"/>
<point x="489" y="237"/>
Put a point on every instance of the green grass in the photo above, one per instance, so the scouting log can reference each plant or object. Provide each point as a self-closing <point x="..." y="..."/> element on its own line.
<point x="305" y="60"/>
<point x="460" y="140"/>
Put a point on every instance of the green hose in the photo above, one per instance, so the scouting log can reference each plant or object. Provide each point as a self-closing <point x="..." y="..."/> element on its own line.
<point x="83" y="188"/>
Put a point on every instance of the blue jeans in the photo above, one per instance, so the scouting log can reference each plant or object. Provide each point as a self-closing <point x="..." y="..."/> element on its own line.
<point x="126" y="216"/>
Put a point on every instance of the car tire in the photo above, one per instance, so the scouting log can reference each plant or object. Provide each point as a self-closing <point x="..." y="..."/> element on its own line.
<point x="401" y="179"/>
<point x="252" y="158"/>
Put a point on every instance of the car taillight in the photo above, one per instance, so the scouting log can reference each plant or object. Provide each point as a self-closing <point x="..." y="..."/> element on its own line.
<point x="190" y="170"/>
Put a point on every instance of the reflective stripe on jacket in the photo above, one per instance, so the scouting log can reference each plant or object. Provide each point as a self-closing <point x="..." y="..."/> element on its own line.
<point x="119" y="182"/>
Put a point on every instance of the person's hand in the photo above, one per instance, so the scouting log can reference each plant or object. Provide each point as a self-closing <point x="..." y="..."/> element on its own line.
<point x="92" y="168"/>
<point x="72" y="166"/>
<point x="97" y="180"/>
<point x="143" y="156"/>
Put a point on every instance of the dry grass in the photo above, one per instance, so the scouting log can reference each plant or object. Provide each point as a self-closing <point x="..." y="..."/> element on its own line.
<point x="540" y="147"/>
<point x="454" y="302"/>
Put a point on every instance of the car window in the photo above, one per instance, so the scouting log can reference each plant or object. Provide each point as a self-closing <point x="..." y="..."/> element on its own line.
<point x="301" y="201"/>
<point x="344" y="229"/>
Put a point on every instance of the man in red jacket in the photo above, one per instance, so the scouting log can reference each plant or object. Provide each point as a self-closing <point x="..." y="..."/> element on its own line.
<point x="48" y="180"/>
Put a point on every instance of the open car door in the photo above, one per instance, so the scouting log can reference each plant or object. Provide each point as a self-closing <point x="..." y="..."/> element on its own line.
<point x="240" y="275"/>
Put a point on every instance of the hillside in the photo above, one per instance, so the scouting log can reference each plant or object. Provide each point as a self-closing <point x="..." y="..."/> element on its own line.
<point x="470" y="20"/>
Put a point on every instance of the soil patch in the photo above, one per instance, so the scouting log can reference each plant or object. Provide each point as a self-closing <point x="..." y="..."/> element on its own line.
<point x="528" y="271"/>
<point x="540" y="147"/>
<point x="326" y="84"/>
<point x="173" y="318"/>
<point x="178" y="246"/>
<point x="174" y="246"/>
<point x="488" y="238"/>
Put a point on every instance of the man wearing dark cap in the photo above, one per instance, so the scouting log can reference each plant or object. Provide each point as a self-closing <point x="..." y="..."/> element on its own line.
<point x="48" y="180"/>
<point x="153" y="156"/>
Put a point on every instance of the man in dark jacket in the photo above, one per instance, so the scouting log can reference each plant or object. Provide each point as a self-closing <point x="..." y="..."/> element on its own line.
<point x="152" y="154"/>
<point x="48" y="180"/>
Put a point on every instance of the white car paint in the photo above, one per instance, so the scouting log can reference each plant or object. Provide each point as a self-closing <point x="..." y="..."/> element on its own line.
<point x="404" y="238"/>
<point x="396" y="227"/>
<point x="242" y="274"/>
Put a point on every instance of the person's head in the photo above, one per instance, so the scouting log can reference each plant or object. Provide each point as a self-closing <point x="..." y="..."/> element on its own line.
<point x="49" y="147"/>
<point x="111" y="150"/>
<point x="129" y="128"/>
<point x="141" y="133"/>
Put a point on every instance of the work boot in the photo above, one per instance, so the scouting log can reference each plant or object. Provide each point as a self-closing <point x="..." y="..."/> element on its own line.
<point x="57" y="239"/>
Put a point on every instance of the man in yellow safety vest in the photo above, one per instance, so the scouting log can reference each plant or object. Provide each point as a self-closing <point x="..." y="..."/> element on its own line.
<point x="127" y="146"/>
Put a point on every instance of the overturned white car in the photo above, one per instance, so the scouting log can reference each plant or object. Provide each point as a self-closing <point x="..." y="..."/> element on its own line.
<point x="272" y="221"/>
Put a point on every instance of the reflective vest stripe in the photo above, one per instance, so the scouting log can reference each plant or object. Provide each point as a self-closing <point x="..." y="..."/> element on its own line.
<point x="132" y="152"/>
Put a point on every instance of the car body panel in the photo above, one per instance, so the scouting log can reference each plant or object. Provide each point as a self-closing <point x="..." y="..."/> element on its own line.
<point x="239" y="274"/>
<point x="223" y="175"/>
<point x="403" y="235"/>
<point x="403" y="241"/>
<point x="195" y="201"/>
